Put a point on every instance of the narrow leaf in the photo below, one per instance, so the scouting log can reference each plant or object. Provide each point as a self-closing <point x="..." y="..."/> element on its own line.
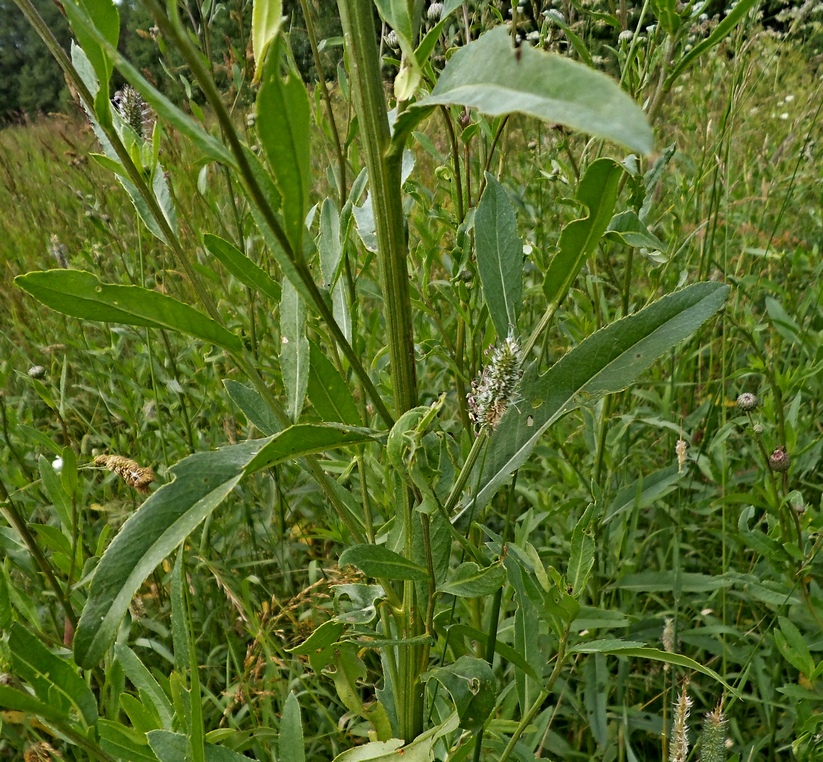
<point x="241" y="267"/>
<point x="81" y="294"/>
<point x="328" y="393"/>
<point x="254" y="407"/>
<point x="606" y="362"/>
<point x="499" y="256"/>
<point x="266" y="21"/>
<point x="284" y="129"/>
<point x="493" y="77"/>
<point x="294" y="349"/>
<point x="144" y="681"/>
<point x="581" y="557"/>
<point x="54" y="679"/>
<point x="379" y="561"/>
<point x="598" y="192"/>
<point x="291" y="732"/>
<point x="19" y="701"/>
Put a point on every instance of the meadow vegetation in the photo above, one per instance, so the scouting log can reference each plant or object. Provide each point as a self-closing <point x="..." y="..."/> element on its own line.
<point x="647" y="576"/>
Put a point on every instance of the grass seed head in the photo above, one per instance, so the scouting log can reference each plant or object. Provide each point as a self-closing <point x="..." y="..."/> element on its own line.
<point x="713" y="740"/>
<point x="128" y="470"/>
<point x="497" y="385"/>
<point x="133" y="109"/>
<point x="679" y="749"/>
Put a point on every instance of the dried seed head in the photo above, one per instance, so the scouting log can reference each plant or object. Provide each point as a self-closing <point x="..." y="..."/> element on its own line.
<point x="391" y="40"/>
<point x="37" y="371"/>
<point x="130" y="472"/>
<point x="497" y="385"/>
<point x="747" y="402"/>
<point x="779" y="460"/>
<point x="58" y="251"/>
<point x="680" y="451"/>
<point x="713" y="740"/>
<point x="679" y="741"/>
<point x="435" y="11"/>
<point x="41" y="752"/>
<point x="133" y="109"/>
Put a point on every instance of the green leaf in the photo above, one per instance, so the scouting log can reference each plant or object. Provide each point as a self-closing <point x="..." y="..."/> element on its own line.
<point x="54" y="488"/>
<point x="266" y="21"/>
<point x="294" y="349"/>
<point x="20" y="701"/>
<point x="201" y="482"/>
<point x="330" y="244"/>
<point x="379" y="561"/>
<point x="605" y="645"/>
<point x="254" y="407"/>
<point x="241" y="267"/>
<point x="606" y="362"/>
<point x="643" y="491"/>
<point x="284" y="130"/>
<point x="493" y="77"/>
<point x="419" y="750"/>
<point x="598" y="192"/>
<point x="628" y="228"/>
<point x="319" y="646"/>
<point x="54" y="679"/>
<point x="305" y="439"/>
<point x="5" y="602"/>
<point x="504" y="650"/>
<point x="81" y="294"/>
<point x="793" y="646"/>
<point x="104" y="19"/>
<point x="720" y="32"/>
<point x="473" y="688"/>
<point x="173" y="747"/>
<point x="124" y="743"/>
<point x="581" y="555"/>
<point x="499" y="256"/>
<point x="68" y="474"/>
<point x="145" y="683"/>
<point x="328" y="392"/>
<point x="470" y="581"/>
<point x="291" y="732"/>
<point x="669" y="658"/>
<point x="667" y="15"/>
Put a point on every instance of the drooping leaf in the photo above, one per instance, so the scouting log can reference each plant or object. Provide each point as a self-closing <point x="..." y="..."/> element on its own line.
<point x="473" y="688"/>
<point x="81" y="294"/>
<point x="379" y="561"/>
<point x="254" y="407"/>
<point x="241" y="267"/>
<point x="328" y="392"/>
<point x="491" y="76"/>
<point x="628" y="228"/>
<point x="470" y="581"/>
<point x="294" y="349"/>
<point x="499" y="256"/>
<point x="266" y="21"/>
<point x="145" y="682"/>
<point x="54" y="679"/>
<point x="598" y="192"/>
<point x="284" y="129"/>
<point x="606" y="362"/>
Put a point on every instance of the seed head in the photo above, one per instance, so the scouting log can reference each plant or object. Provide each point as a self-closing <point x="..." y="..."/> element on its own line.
<point x="391" y="40"/>
<point x="747" y="402"/>
<point x="497" y="385"/>
<point x="713" y="740"/>
<point x="58" y="251"/>
<point x="41" y="752"/>
<point x="779" y="460"/>
<point x="626" y="35"/>
<point x="37" y="371"/>
<point x="435" y="11"/>
<point x="680" y="732"/>
<point x="133" y="109"/>
<point x="130" y="472"/>
<point x="680" y="450"/>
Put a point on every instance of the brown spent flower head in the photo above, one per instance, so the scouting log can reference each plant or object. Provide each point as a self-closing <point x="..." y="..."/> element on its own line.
<point x="130" y="472"/>
<point x="747" y="402"/>
<point x="41" y="752"/>
<point x="779" y="460"/>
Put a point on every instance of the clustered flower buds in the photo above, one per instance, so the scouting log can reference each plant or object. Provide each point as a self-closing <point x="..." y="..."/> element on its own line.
<point x="133" y="109"/>
<point x="497" y="386"/>
<point x="779" y="460"/>
<point x="747" y="402"/>
<point x="130" y="472"/>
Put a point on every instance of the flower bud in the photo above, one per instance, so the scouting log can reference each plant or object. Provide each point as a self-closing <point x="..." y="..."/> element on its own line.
<point x="747" y="402"/>
<point x="779" y="460"/>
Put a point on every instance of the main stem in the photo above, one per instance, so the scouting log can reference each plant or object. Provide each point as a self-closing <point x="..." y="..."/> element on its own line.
<point x="384" y="169"/>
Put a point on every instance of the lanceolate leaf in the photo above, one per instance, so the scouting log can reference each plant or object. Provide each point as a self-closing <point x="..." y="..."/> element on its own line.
<point x="241" y="267"/>
<point x="266" y="20"/>
<point x="598" y="192"/>
<point x="201" y="482"/>
<point x="606" y="362"/>
<point x="53" y="679"/>
<point x="20" y="701"/>
<point x="291" y="732"/>
<point x="470" y="581"/>
<point x="328" y="392"/>
<point x="493" y="77"/>
<point x="81" y="294"/>
<point x="283" y="126"/>
<point x="379" y="561"/>
<point x="254" y="407"/>
<point x="499" y="256"/>
<point x="294" y="348"/>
